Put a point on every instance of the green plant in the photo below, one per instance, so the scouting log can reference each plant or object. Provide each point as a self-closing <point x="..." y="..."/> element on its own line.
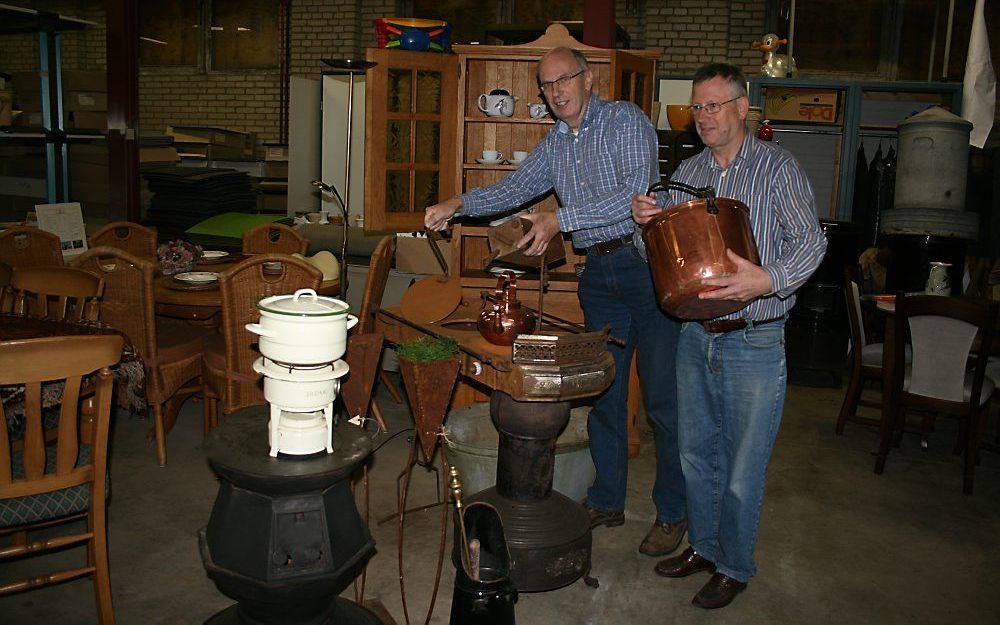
<point x="427" y="349"/>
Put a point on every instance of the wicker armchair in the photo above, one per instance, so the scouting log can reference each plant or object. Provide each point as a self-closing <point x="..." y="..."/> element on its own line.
<point x="135" y="239"/>
<point x="274" y="239"/>
<point x="228" y="373"/>
<point x="30" y="247"/>
<point x="56" y="292"/>
<point x="170" y="348"/>
<point x="45" y="484"/>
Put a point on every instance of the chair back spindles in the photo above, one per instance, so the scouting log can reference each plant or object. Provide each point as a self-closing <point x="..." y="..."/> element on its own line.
<point x="63" y="293"/>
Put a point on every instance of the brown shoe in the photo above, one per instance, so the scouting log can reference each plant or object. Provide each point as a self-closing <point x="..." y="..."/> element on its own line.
<point x="663" y="538"/>
<point x="601" y="517"/>
<point x="718" y="592"/>
<point x="683" y="565"/>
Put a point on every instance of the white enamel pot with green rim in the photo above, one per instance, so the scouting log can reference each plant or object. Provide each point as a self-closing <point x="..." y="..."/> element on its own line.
<point x="303" y="329"/>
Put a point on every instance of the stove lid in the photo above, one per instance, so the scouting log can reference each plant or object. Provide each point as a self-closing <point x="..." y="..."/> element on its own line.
<point x="304" y="303"/>
<point x="278" y="371"/>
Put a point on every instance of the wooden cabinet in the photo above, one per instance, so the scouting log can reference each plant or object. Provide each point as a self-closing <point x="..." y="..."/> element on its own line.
<point x="424" y="129"/>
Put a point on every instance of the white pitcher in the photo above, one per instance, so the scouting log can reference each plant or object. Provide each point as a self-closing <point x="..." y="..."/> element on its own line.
<point x="937" y="280"/>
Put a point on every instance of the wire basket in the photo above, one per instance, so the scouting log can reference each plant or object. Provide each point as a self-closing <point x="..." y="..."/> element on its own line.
<point x="563" y="349"/>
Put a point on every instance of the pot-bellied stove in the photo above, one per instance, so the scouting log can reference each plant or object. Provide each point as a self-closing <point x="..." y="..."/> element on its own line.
<point x="285" y="537"/>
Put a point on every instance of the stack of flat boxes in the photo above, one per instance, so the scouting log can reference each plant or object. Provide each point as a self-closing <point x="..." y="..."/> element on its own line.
<point x="273" y="185"/>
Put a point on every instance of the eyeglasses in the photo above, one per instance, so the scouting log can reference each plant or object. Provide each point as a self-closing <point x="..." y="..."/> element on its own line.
<point x="558" y="82"/>
<point x="712" y="107"/>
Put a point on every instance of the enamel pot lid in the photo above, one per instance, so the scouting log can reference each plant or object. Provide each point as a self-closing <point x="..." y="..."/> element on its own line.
<point x="304" y="303"/>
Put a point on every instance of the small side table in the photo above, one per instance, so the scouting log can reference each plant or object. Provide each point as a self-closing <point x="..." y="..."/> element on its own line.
<point x="285" y="537"/>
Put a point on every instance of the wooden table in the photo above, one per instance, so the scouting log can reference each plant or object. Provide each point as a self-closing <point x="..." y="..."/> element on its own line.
<point x="202" y="305"/>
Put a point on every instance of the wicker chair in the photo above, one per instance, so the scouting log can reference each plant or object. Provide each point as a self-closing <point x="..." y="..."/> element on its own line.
<point x="170" y="348"/>
<point x="56" y="292"/>
<point x="47" y="484"/>
<point x="228" y="373"/>
<point x="274" y="239"/>
<point x="30" y="247"/>
<point x="135" y="239"/>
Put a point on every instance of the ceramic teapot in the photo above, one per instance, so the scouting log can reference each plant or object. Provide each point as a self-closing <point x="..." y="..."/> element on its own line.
<point x="502" y="317"/>
<point x="497" y="103"/>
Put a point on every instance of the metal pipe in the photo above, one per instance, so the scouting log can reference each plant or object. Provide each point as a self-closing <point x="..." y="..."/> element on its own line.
<point x="947" y="39"/>
<point x="930" y="59"/>
<point x="791" y="37"/>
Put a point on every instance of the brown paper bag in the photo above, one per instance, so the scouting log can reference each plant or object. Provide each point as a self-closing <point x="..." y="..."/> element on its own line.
<point x="503" y="238"/>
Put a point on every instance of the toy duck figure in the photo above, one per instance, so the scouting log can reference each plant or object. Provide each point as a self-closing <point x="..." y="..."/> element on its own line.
<point x="772" y="64"/>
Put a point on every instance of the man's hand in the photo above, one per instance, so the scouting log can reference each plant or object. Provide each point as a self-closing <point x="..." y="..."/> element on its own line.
<point x="436" y="217"/>
<point x="544" y="226"/>
<point x="748" y="283"/>
<point x="644" y="208"/>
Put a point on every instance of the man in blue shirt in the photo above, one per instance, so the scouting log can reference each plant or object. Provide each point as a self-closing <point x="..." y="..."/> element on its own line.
<point x="596" y="158"/>
<point x="731" y="371"/>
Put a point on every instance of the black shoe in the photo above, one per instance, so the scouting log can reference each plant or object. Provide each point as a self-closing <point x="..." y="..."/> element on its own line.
<point x="683" y="565"/>
<point x="718" y="592"/>
<point x="607" y="519"/>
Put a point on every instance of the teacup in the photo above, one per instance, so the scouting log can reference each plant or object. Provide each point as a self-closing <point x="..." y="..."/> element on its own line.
<point x="491" y="156"/>
<point x="537" y="110"/>
<point x="518" y="155"/>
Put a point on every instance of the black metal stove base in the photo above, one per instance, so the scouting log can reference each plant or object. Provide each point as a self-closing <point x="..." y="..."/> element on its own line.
<point x="549" y="540"/>
<point x="342" y="612"/>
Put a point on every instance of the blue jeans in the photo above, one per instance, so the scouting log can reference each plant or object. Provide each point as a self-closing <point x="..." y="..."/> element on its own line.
<point x="616" y="289"/>
<point x="731" y="393"/>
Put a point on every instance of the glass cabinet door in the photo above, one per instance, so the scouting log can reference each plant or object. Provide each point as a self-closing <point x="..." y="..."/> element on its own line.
<point x="411" y="157"/>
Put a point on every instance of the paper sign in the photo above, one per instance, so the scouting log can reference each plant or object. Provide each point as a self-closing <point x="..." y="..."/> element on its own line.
<point x="66" y="222"/>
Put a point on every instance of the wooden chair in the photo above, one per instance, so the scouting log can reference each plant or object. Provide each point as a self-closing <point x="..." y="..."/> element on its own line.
<point x="371" y="300"/>
<point x="228" y="374"/>
<point x="171" y="349"/>
<point x="57" y="292"/>
<point x="274" y="239"/>
<point x="866" y="362"/>
<point x="43" y="485"/>
<point x="133" y="238"/>
<point x="6" y="301"/>
<point x="941" y="331"/>
<point x="29" y="247"/>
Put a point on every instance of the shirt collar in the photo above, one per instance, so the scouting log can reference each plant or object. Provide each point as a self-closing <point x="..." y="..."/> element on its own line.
<point x="745" y="153"/>
<point x="589" y="114"/>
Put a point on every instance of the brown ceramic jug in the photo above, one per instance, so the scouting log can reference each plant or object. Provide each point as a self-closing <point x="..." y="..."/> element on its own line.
<point x="502" y="317"/>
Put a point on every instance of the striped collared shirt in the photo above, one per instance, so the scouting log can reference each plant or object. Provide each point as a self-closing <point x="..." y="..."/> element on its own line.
<point x="595" y="173"/>
<point x="769" y="180"/>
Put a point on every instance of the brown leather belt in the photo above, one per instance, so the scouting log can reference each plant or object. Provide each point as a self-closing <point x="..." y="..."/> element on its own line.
<point x="731" y="325"/>
<point x="605" y="247"/>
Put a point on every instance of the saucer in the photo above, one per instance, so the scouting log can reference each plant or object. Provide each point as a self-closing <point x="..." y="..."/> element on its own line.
<point x="516" y="163"/>
<point x="483" y="161"/>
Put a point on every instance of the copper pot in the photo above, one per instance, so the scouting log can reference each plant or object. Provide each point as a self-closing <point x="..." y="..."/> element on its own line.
<point x="502" y="317"/>
<point x="687" y="243"/>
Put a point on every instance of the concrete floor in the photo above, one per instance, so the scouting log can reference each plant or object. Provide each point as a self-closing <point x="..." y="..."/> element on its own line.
<point x="838" y="544"/>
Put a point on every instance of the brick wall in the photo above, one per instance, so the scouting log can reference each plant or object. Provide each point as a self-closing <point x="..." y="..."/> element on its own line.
<point x="691" y="32"/>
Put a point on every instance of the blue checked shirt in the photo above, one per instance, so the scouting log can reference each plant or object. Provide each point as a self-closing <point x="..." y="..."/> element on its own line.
<point x="594" y="173"/>
<point x="769" y="180"/>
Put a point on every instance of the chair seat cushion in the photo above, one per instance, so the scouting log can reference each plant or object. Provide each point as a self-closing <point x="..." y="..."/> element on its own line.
<point x="984" y="396"/>
<point x="871" y="355"/>
<point x="35" y="508"/>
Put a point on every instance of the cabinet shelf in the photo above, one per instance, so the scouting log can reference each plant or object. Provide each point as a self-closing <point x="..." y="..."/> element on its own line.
<point x="496" y="166"/>
<point x="509" y="120"/>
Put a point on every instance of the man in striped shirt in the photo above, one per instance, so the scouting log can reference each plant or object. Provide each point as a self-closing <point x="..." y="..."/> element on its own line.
<point x="731" y="372"/>
<point x="596" y="158"/>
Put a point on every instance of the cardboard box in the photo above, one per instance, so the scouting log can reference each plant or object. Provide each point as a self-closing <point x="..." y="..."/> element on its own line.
<point x="211" y="152"/>
<point x="85" y="101"/>
<point x="275" y="152"/>
<point x="213" y="136"/>
<point x="84" y="80"/>
<point x="88" y="120"/>
<point x="794" y="104"/>
<point x="414" y="255"/>
<point x="272" y="203"/>
<point x="159" y="154"/>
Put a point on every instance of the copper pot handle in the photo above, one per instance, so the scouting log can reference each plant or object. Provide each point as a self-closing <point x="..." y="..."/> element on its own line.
<point x="706" y="193"/>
